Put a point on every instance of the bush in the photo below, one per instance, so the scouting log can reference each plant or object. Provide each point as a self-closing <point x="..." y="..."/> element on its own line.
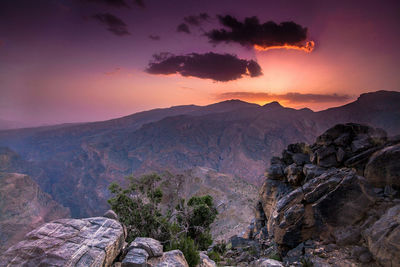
<point x="187" y="228"/>
<point x="214" y="256"/>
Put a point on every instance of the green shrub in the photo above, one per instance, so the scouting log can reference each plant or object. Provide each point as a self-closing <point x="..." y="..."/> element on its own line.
<point x="187" y="228"/>
<point x="275" y="256"/>
<point x="188" y="248"/>
<point x="214" y="256"/>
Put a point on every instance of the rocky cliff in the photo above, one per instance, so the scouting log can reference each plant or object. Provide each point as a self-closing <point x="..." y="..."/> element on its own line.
<point x="23" y="207"/>
<point x="335" y="202"/>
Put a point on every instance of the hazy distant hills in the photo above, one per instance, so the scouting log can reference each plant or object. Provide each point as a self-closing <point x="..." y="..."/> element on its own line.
<point x="75" y="163"/>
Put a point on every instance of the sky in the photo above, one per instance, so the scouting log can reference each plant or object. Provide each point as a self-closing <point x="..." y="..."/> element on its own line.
<point x="88" y="60"/>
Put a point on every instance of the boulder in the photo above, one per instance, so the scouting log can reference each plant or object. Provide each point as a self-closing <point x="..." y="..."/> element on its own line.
<point x="265" y="262"/>
<point x="205" y="261"/>
<point x="91" y="242"/>
<point x="153" y="247"/>
<point x="337" y="198"/>
<point x="111" y="214"/>
<point x="383" y="168"/>
<point x="294" y="174"/>
<point x="383" y="238"/>
<point x="135" y="257"/>
<point x="171" y="258"/>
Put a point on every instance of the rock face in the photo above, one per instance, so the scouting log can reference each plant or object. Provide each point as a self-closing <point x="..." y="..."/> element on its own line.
<point x="331" y="202"/>
<point x="383" y="237"/>
<point x="383" y="167"/>
<point x="68" y="242"/>
<point x="23" y="207"/>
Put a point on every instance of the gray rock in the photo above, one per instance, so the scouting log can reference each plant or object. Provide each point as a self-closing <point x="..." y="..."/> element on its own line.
<point x="275" y="171"/>
<point x="152" y="246"/>
<point x="347" y="235"/>
<point x="91" y="242"/>
<point x="294" y="174"/>
<point x="383" y="168"/>
<point x="383" y="238"/>
<point x="311" y="171"/>
<point x="301" y="159"/>
<point x="135" y="257"/>
<point x="173" y="258"/>
<point x="265" y="262"/>
<point x="111" y="214"/>
<point x="205" y="261"/>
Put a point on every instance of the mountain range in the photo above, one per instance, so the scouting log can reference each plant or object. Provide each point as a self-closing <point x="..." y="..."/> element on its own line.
<point x="75" y="163"/>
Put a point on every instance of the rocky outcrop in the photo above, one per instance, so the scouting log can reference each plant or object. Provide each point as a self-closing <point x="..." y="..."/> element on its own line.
<point x="343" y="200"/>
<point x="91" y="242"/>
<point x="383" y="168"/>
<point x="383" y="237"/>
<point x="23" y="207"/>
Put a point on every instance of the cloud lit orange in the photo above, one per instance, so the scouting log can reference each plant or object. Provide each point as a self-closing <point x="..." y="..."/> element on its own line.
<point x="309" y="47"/>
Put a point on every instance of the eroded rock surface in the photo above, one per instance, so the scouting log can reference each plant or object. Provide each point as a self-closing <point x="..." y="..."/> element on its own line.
<point x="345" y="203"/>
<point x="68" y="242"/>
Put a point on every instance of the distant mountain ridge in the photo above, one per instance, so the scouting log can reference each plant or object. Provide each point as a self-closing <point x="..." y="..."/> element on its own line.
<point x="75" y="163"/>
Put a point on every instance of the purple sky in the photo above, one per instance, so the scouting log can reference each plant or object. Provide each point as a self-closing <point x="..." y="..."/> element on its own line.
<point x="61" y="62"/>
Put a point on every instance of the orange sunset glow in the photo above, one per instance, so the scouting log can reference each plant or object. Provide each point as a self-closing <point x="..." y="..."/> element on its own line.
<point x="118" y="62"/>
<point x="309" y="47"/>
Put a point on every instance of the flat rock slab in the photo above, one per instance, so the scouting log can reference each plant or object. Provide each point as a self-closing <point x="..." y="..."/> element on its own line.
<point x="68" y="242"/>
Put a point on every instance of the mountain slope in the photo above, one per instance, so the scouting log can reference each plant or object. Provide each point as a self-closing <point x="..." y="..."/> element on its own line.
<point x="75" y="163"/>
<point x="23" y="207"/>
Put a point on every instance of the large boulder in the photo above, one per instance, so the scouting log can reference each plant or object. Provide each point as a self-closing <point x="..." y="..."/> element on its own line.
<point x="337" y="198"/>
<point x="383" y="238"/>
<point x="265" y="262"/>
<point x="171" y="258"/>
<point x="383" y="167"/>
<point x="90" y="242"/>
<point x="153" y="247"/>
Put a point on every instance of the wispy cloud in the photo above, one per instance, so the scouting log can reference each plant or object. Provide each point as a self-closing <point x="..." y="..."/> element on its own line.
<point x="114" y="24"/>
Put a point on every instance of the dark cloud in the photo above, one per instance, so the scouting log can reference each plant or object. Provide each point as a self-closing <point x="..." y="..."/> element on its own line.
<point x="118" y="3"/>
<point x="217" y="67"/>
<point x="196" y="20"/>
<point x="139" y="3"/>
<point x="250" y="32"/>
<point x="289" y="97"/>
<point x="113" y="3"/>
<point x="183" y="27"/>
<point x="113" y="23"/>
<point x="154" y="37"/>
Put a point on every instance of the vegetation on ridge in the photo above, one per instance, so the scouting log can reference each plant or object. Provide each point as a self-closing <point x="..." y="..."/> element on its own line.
<point x="187" y="227"/>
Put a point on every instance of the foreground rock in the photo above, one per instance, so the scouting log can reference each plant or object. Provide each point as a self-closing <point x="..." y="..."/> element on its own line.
<point x="341" y="205"/>
<point x="383" y="238"/>
<point x="171" y="258"/>
<point x="68" y="242"/>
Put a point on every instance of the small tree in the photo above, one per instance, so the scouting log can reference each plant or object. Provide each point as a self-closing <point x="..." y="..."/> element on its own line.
<point x="137" y="208"/>
<point x="187" y="228"/>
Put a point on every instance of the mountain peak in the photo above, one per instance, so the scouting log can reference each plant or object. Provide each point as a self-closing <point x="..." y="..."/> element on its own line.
<point x="273" y="104"/>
